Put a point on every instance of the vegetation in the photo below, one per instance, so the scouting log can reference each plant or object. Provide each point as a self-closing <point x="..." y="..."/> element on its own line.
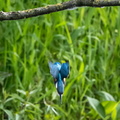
<point x="88" y="37"/>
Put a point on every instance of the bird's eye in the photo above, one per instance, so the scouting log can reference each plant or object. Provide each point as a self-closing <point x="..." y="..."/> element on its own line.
<point x="55" y="80"/>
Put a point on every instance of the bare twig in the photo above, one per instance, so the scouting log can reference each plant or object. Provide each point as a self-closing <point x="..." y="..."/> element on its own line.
<point x="57" y="7"/>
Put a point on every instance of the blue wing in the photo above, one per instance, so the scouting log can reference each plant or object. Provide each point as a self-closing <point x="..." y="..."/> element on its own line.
<point x="54" y="70"/>
<point x="64" y="71"/>
<point x="58" y="65"/>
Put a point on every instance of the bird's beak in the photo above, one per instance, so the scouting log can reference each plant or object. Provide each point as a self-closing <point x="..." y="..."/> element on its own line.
<point x="60" y="98"/>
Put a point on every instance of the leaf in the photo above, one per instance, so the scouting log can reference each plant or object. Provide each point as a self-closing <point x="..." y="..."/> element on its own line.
<point x="33" y="91"/>
<point x="13" y="97"/>
<point x="106" y="96"/>
<point x="81" y="70"/>
<point x="109" y="106"/>
<point x="114" y="115"/>
<point x="21" y="91"/>
<point x="3" y="76"/>
<point x="17" y="116"/>
<point x="10" y="114"/>
<point x="118" y="112"/>
<point x="77" y="32"/>
<point x="97" y="106"/>
<point x="60" y="36"/>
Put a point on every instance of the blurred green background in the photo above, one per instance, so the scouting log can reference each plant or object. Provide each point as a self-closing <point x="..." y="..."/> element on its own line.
<point x="88" y="37"/>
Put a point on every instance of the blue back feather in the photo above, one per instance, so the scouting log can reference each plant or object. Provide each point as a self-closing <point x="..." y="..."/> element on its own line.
<point x="64" y="71"/>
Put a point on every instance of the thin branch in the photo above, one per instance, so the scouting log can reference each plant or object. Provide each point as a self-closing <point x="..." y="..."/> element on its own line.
<point x="57" y="7"/>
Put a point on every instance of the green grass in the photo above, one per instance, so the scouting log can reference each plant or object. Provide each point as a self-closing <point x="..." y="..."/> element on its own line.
<point x="88" y="37"/>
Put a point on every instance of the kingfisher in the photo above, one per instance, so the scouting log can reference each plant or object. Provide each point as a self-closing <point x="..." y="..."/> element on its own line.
<point x="59" y="72"/>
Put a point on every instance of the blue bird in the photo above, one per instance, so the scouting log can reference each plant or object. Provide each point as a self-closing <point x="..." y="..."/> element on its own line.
<point x="59" y="72"/>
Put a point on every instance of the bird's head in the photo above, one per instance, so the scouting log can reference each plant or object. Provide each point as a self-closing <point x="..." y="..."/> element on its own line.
<point x="60" y="87"/>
